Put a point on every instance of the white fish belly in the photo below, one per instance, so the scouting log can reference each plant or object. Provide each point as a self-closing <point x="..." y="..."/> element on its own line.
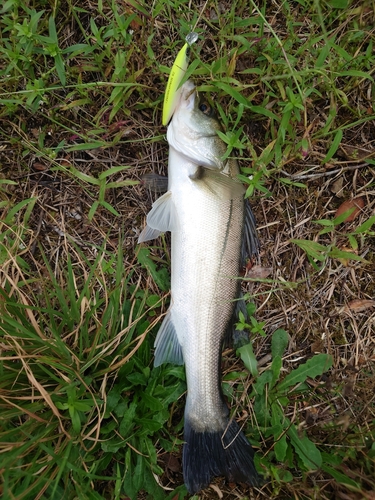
<point x="205" y="264"/>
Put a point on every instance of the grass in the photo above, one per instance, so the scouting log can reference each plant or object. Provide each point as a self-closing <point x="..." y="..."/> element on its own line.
<point x="83" y="412"/>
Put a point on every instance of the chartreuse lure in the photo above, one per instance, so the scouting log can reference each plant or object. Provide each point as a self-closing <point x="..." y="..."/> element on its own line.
<point x="180" y="65"/>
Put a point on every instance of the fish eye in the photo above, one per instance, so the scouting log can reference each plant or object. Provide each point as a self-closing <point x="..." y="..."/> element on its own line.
<point x="205" y="108"/>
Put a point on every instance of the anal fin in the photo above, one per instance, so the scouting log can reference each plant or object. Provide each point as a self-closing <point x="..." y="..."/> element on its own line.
<point x="167" y="346"/>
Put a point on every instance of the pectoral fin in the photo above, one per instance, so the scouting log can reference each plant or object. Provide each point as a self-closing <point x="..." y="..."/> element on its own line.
<point x="161" y="218"/>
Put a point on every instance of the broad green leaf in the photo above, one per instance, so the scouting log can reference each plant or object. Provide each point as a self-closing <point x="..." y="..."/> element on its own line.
<point x="261" y="381"/>
<point x="76" y="421"/>
<point x="305" y="449"/>
<point x="84" y="177"/>
<point x="110" y="208"/>
<point x="334" y="146"/>
<point x="128" y="422"/>
<point x="82" y="406"/>
<point x="153" y="404"/>
<point x="324" y="222"/>
<point x="323" y="53"/>
<point x="161" y="276"/>
<point x="341" y="218"/>
<point x="7" y="5"/>
<point x="148" y="426"/>
<point x="340" y="477"/>
<point x="60" y="68"/>
<point x="365" y="226"/>
<point x="338" y="4"/>
<point x="92" y="210"/>
<point x="6" y="181"/>
<point x="315" y="366"/>
<point x="137" y="378"/>
<point x="312" y="248"/>
<point x="353" y="242"/>
<point x="152" y="300"/>
<point x="276" y="369"/>
<point x="139" y="471"/>
<point x="113" y="399"/>
<point x="233" y="93"/>
<point x="335" y="253"/>
<point x="13" y="211"/>
<point x="279" y="342"/>
<point x="113" y="170"/>
<point x="85" y="146"/>
<point x="248" y="357"/>
<point x="259" y="110"/>
<point x="356" y="73"/>
<point x="261" y="410"/>
<point x="277" y="417"/>
<point x="289" y="182"/>
<point x="281" y="446"/>
<point x="128" y="485"/>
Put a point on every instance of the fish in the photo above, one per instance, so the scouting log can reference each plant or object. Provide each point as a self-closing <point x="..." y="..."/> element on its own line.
<point x="212" y="232"/>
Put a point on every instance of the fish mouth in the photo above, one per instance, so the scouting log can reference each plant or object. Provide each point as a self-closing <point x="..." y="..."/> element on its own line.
<point x="188" y="95"/>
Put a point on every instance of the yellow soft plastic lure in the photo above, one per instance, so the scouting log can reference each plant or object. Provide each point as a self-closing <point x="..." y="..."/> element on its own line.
<point x="172" y="92"/>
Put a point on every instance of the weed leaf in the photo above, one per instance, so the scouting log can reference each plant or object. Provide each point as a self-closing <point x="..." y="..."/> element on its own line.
<point x="161" y="277"/>
<point x="305" y="449"/>
<point x="315" y="366"/>
<point x="281" y="446"/>
<point x="279" y="342"/>
<point x="340" y="477"/>
<point x="334" y="146"/>
<point x="248" y="357"/>
<point x="365" y="226"/>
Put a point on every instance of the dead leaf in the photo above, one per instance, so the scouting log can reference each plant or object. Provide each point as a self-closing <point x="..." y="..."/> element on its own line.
<point x="317" y="346"/>
<point x="258" y="272"/>
<point x="336" y="187"/>
<point x="358" y="305"/>
<point x="172" y="462"/>
<point x="39" y="166"/>
<point x="357" y="204"/>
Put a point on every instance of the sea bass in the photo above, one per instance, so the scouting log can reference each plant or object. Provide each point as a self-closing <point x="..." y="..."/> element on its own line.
<point x="212" y="231"/>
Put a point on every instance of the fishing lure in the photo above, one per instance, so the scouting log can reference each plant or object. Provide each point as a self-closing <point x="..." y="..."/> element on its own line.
<point x="178" y="71"/>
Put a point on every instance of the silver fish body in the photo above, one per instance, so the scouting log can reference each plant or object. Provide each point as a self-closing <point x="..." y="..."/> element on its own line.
<point x="205" y="263"/>
<point x="205" y="211"/>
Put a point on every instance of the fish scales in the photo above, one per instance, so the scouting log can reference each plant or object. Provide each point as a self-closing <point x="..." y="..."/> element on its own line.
<point x="205" y="264"/>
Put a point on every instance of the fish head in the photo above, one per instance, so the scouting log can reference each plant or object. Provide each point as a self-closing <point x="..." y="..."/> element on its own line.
<point x="193" y="130"/>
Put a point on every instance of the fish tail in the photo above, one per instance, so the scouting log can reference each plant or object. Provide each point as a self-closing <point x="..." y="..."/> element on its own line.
<point x="225" y="453"/>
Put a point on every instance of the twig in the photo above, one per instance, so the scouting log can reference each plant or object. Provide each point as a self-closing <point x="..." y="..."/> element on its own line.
<point x="323" y="174"/>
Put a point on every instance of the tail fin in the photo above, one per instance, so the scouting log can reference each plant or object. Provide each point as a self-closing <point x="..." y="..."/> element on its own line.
<point x="209" y="454"/>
